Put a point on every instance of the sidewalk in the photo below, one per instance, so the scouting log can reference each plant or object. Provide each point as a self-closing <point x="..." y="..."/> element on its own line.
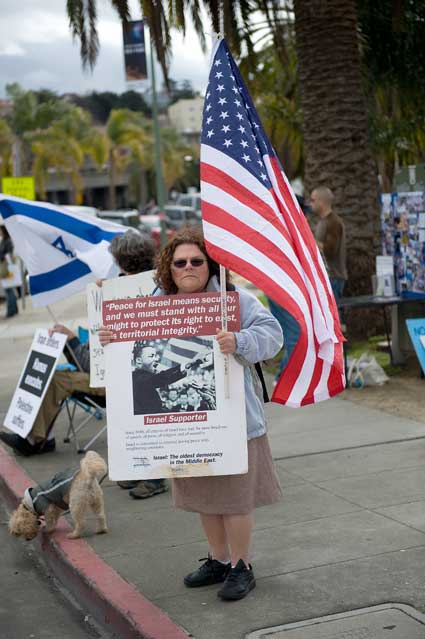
<point x="349" y="533"/>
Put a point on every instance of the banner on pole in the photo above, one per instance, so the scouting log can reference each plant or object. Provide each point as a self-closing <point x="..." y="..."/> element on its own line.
<point x="36" y="376"/>
<point x="167" y="411"/>
<point x="134" y="51"/>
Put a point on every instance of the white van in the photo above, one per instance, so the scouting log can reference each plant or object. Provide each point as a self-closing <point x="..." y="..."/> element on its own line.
<point x="190" y="199"/>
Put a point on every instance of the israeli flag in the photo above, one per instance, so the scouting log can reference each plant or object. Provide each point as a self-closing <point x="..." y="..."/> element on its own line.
<point x="62" y="250"/>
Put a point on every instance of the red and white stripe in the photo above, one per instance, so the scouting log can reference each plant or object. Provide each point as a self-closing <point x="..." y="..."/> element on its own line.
<point x="262" y="234"/>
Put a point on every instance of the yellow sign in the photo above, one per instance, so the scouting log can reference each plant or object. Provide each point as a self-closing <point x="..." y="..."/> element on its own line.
<point x="19" y="187"/>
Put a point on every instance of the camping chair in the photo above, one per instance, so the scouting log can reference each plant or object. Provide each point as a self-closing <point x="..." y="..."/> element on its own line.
<point x="93" y="405"/>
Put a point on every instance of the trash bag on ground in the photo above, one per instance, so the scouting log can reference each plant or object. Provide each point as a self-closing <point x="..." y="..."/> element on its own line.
<point x="365" y="371"/>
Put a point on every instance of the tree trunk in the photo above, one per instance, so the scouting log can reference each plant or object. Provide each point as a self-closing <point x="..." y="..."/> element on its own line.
<point x="336" y="136"/>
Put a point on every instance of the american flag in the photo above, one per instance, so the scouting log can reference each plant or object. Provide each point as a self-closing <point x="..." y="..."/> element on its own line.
<point x="183" y="351"/>
<point x="254" y="226"/>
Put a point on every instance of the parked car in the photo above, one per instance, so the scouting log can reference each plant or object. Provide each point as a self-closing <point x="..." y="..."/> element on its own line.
<point x="190" y="199"/>
<point x="88" y="210"/>
<point x="151" y="224"/>
<point x="179" y="215"/>
<point x="126" y="218"/>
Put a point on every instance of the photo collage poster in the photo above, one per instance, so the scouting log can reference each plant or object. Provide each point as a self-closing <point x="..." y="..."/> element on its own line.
<point x="403" y="237"/>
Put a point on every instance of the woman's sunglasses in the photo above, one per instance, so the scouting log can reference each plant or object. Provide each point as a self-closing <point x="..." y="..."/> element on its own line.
<point x="195" y="262"/>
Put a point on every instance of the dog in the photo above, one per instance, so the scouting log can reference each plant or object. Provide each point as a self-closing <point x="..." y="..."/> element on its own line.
<point x="75" y="489"/>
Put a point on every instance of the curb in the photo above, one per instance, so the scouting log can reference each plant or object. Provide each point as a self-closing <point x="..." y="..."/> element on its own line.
<point x="114" y="603"/>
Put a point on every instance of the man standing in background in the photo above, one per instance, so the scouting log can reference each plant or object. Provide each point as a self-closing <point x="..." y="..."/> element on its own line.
<point x="330" y="237"/>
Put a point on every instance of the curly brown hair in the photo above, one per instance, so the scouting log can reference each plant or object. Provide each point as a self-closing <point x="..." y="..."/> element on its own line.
<point x="185" y="235"/>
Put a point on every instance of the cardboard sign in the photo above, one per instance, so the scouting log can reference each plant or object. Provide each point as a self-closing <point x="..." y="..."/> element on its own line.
<point x="144" y="285"/>
<point x="35" y="379"/>
<point x="416" y="328"/>
<point x="167" y="411"/>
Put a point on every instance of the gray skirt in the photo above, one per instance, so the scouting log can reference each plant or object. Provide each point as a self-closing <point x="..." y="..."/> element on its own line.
<point x="232" y="494"/>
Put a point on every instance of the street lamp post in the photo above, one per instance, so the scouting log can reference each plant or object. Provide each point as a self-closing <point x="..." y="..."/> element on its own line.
<point x="160" y="191"/>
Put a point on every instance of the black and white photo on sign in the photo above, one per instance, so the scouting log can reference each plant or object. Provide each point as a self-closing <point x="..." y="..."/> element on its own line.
<point x="174" y="375"/>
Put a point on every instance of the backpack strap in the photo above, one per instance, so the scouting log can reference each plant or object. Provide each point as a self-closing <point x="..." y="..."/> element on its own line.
<point x="263" y="383"/>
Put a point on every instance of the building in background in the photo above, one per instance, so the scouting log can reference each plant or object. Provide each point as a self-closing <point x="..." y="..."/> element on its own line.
<point x="186" y="116"/>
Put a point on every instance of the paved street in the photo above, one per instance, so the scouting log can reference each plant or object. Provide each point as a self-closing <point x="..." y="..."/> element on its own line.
<point x="32" y="606"/>
<point x="349" y="533"/>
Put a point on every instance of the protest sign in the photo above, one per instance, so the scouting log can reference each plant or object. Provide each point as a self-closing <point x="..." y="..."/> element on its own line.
<point x="34" y="381"/>
<point x="132" y="285"/>
<point x="416" y="328"/>
<point x="167" y="411"/>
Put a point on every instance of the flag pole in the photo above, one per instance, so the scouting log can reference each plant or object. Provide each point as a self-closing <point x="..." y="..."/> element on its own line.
<point x="73" y="355"/>
<point x="216" y="37"/>
<point x="223" y="300"/>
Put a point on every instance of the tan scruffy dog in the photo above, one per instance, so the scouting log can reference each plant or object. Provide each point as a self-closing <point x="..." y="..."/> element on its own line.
<point x="75" y="489"/>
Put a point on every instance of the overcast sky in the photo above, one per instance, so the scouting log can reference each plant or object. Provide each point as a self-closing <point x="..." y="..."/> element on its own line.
<point x="36" y="50"/>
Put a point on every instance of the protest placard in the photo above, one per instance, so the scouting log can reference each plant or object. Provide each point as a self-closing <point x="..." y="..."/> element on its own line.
<point x="137" y="285"/>
<point x="416" y="328"/>
<point x="167" y="411"/>
<point x="35" y="378"/>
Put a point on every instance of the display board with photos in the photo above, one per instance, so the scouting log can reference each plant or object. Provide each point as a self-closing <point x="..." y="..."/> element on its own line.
<point x="403" y="237"/>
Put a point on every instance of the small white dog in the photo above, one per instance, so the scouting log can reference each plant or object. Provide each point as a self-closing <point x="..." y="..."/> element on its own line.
<point x="75" y="489"/>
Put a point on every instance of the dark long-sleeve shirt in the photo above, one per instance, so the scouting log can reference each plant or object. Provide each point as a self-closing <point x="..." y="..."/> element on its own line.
<point x="81" y="352"/>
<point x="330" y="232"/>
<point x="146" y="398"/>
<point x="6" y="247"/>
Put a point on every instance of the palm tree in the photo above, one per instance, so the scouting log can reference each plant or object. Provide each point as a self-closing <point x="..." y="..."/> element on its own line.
<point x="279" y="111"/>
<point x="129" y="143"/>
<point x="54" y="151"/>
<point x="31" y="111"/>
<point x="6" y="144"/>
<point x="398" y="131"/>
<point x="174" y="151"/>
<point x="63" y="147"/>
<point x="336" y="135"/>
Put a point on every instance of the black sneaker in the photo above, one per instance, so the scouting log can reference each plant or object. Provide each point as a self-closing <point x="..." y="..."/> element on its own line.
<point x="19" y="444"/>
<point x="240" y="581"/>
<point x="47" y="446"/>
<point x="211" y="572"/>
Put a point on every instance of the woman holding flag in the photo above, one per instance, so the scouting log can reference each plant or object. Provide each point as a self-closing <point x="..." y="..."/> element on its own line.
<point x="225" y="503"/>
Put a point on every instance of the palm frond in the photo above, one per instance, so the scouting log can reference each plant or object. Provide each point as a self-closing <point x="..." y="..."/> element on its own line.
<point x="81" y="12"/>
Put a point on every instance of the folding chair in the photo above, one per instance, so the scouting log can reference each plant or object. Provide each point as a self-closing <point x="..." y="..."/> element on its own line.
<point x="94" y="406"/>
